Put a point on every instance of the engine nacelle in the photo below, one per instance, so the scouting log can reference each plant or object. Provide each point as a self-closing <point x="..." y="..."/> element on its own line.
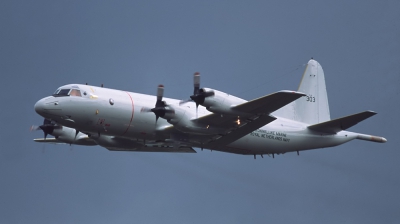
<point x="181" y="120"/>
<point x="64" y="134"/>
<point x="68" y="135"/>
<point x="174" y="114"/>
<point x="221" y="102"/>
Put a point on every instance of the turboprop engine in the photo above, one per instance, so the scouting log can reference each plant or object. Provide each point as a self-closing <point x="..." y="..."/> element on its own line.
<point x="170" y="113"/>
<point x="62" y="133"/>
<point x="220" y="102"/>
<point x="180" y="118"/>
<point x="213" y="100"/>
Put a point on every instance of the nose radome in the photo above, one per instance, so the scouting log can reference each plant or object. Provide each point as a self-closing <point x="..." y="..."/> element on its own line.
<point x="39" y="106"/>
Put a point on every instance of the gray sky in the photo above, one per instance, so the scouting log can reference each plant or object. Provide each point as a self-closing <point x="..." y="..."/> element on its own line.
<point x="246" y="48"/>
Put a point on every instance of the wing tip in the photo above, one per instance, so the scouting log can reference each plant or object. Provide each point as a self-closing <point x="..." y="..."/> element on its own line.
<point x="293" y="92"/>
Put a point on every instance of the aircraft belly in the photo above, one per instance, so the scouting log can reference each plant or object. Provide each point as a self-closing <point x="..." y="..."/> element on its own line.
<point x="280" y="142"/>
<point x="264" y="144"/>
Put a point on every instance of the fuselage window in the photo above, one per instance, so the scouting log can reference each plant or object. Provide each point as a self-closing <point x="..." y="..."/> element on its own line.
<point x="75" y="92"/>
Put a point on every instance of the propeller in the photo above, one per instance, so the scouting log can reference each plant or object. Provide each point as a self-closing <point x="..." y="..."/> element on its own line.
<point x="76" y="134"/>
<point x="160" y="108"/>
<point x="199" y="95"/>
<point x="47" y="127"/>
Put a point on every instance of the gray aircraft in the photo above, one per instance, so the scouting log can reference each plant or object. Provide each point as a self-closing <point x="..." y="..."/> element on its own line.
<point x="284" y="121"/>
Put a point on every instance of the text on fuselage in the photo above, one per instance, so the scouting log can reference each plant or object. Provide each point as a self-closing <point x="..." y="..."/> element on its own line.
<point x="274" y="135"/>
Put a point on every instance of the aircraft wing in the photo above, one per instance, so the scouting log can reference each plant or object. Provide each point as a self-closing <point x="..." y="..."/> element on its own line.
<point x="182" y="149"/>
<point x="252" y="115"/>
<point x="269" y="103"/>
<point x="48" y="140"/>
<point x="343" y="123"/>
<point x="242" y="130"/>
<point x="78" y="141"/>
<point x="252" y="109"/>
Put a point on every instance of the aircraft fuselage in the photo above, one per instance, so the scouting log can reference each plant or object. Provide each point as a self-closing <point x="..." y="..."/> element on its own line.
<point x="103" y="111"/>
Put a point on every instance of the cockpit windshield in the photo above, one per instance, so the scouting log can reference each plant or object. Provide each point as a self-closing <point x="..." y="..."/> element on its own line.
<point x="67" y="92"/>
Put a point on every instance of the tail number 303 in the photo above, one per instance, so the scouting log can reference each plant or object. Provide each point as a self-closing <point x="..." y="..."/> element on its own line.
<point x="310" y="98"/>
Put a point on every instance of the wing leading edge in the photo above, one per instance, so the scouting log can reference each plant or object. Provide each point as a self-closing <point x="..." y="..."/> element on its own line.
<point x="269" y="103"/>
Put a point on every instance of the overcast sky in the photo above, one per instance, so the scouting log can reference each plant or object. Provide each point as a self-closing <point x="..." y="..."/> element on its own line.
<point x="246" y="48"/>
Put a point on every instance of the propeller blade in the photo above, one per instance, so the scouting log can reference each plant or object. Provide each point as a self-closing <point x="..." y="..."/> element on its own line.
<point x="47" y="127"/>
<point x="76" y="134"/>
<point x="159" y="110"/>
<point x="196" y="83"/>
<point x="145" y="110"/>
<point x="199" y="95"/>
<point x="198" y="99"/>
<point x="160" y="92"/>
<point x="35" y="128"/>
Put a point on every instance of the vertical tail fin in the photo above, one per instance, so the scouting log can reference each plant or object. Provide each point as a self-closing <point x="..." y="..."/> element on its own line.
<point x="314" y="107"/>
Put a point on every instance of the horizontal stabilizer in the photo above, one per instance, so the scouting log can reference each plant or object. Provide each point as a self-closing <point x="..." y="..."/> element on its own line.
<point x="269" y="103"/>
<point x="343" y="123"/>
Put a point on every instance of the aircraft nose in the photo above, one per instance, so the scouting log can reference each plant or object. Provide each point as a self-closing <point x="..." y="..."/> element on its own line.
<point x="48" y="106"/>
<point x="39" y="106"/>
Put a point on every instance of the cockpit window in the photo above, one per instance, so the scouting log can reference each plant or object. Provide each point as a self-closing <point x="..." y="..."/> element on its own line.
<point x="67" y="92"/>
<point x="75" y="92"/>
<point x="63" y="92"/>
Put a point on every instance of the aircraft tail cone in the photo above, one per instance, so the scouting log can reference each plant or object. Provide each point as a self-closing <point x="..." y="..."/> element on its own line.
<point x="372" y="138"/>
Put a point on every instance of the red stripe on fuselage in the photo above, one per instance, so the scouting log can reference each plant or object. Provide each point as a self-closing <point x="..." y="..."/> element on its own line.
<point x="131" y="116"/>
